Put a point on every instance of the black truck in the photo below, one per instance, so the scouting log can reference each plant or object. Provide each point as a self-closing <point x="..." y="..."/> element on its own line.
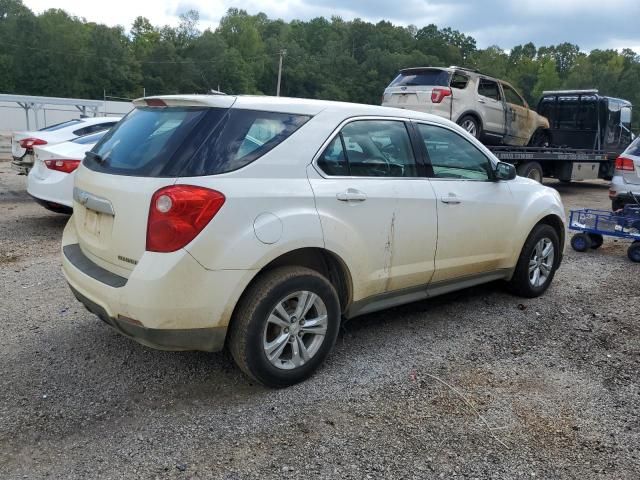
<point x="587" y="132"/>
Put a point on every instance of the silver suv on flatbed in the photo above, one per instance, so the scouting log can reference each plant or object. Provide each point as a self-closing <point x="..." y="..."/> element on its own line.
<point x="491" y="110"/>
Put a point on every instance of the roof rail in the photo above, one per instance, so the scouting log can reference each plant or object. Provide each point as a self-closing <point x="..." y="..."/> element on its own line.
<point x="474" y="70"/>
<point x="571" y="92"/>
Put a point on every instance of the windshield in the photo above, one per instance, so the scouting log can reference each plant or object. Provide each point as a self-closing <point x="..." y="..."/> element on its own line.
<point x="432" y="77"/>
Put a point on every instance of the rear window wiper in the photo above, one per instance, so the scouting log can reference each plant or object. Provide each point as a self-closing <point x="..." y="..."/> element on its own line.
<point x="95" y="157"/>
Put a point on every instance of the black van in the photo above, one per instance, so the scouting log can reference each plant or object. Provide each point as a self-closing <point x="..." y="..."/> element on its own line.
<point x="583" y="119"/>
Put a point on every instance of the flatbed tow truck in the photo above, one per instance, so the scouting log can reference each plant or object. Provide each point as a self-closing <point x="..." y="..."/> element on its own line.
<point x="587" y="133"/>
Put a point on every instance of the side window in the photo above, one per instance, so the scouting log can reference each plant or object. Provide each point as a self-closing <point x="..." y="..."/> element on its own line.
<point x="459" y="81"/>
<point x="489" y="89"/>
<point x="370" y="148"/>
<point x="333" y="161"/>
<point x="512" y="96"/>
<point x="452" y="156"/>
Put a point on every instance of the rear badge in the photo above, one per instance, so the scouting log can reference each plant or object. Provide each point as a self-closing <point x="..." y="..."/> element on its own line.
<point x="127" y="260"/>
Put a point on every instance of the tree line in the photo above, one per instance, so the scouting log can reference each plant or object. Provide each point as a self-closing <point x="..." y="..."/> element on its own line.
<point x="56" y="54"/>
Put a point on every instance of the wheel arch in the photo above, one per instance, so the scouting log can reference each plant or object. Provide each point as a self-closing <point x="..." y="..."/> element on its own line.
<point x="555" y="222"/>
<point x="471" y="113"/>
<point x="323" y="261"/>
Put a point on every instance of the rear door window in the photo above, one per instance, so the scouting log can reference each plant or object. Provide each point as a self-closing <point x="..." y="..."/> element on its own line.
<point x="370" y="148"/>
<point x="189" y="141"/>
<point x="489" y="89"/>
<point x="429" y="77"/>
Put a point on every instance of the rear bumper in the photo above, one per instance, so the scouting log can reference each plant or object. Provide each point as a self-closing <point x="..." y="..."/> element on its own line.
<point x="205" y="339"/>
<point x="53" y="187"/>
<point x="23" y="164"/>
<point x="168" y="301"/>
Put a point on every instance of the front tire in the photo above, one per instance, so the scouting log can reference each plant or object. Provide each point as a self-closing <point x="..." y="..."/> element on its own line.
<point x="285" y="326"/>
<point x="538" y="262"/>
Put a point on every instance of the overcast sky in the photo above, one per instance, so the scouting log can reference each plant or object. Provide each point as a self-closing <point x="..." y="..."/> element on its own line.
<point x="589" y="23"/>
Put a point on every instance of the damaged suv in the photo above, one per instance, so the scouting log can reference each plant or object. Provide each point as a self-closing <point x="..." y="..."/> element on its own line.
<point x="491" y="110"/>
<point x="257" y="223"/>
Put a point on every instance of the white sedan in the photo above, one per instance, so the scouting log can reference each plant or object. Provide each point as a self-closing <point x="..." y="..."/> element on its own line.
<point x="50" y="181"/>
<point x="22" y="143"/>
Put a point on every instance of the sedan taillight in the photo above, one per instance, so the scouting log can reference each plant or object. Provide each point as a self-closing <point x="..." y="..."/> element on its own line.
<point x="623" y="163"/>
<point x="30" y="142"/>
<point x="178" y="214"/>
<point x="64" y="166"/>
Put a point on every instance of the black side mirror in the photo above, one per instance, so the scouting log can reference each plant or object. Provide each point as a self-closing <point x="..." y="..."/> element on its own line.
<point x="505" y="171"/>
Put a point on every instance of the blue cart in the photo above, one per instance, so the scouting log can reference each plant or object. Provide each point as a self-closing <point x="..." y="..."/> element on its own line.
<point x="594" y="225"/>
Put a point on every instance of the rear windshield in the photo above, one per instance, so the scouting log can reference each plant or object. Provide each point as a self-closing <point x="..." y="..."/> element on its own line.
<point x="189" y="141"/>
<point x="421" y="77"/>
<point x="59" y="126"/>
<point x="634" y="148"/>
<point x="91" y="138"/>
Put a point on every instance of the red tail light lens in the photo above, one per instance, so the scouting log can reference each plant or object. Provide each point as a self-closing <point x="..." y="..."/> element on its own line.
<point x="30" y="142"/>
<point x="623" y="163"/>
<point x="178" y="214"/>
<point x="65" y="166"/>
<point x="439" y="94"/>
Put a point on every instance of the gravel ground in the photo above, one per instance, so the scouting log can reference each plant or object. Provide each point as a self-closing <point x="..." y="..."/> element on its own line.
<point x="477" y="384"/>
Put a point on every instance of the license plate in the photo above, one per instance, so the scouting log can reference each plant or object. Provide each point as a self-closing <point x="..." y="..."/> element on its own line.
<point x="92" y="222"/>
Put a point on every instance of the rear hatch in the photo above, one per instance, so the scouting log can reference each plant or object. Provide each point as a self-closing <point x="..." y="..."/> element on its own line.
<point x="118" y="177"/>
<point x="164" y="141"/>
<point x="630" y="163"/>
<point x="414" y="87"/>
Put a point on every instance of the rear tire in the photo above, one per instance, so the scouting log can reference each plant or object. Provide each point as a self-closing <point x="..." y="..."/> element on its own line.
<point x="532" y="170"/>
<point x="634" y="252"/>
<point x="471" y="125"/>
<point x="271" y="340"/>
<point x="581" y="242"/>
<point x="538" y="262"/>
<point x="596" y="240"/>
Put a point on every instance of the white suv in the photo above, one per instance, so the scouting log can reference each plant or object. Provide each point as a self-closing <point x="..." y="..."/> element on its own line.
<point x="489" y="109"/>
<point x="259" y="222"/>
<point x="625" y="184"/>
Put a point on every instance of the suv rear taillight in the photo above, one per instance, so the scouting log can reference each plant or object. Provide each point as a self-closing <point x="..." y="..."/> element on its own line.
<point x="29" y="143"/>
<point x="439" y="94"/>
<point x="64" y="166"/>
<point x="178" y="214"/>
<point x="623" y="163"/>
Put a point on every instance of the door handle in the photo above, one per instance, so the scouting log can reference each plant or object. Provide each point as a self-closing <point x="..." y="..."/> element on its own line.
<point x="451" y="199"/>
<point x="481" y="101"/>
<point x="351" y="195"/>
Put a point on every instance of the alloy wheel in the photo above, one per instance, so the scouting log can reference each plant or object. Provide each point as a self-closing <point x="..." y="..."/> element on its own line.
<point x="541" y="262"/>
<point x="470" y="126"/>
<point x="295" y="330"/>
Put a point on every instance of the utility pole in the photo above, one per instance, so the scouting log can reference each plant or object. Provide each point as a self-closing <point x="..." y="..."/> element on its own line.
<point x="282" y="54"/>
